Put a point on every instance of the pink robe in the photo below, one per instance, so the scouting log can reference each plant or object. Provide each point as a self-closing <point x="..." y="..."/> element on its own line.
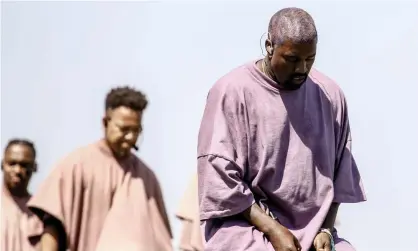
<point x="188" y="213"/>
<point x="20" y="229"/>
<point x="288" y="151"/>
<point x="103" y="204"/>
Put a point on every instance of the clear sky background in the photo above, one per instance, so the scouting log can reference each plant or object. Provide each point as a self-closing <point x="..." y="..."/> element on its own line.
<point x="58" y="60"/>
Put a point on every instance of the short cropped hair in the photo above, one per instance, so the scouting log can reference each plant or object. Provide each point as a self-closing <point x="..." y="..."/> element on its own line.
<point x="126" y="96"/>
<point x="292" y="24"/>
<point x="23" y="142"/>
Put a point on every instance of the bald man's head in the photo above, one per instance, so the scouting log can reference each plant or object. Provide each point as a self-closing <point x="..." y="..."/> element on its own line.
<point x="292" y="24"/>
<point x="291" y="47"/>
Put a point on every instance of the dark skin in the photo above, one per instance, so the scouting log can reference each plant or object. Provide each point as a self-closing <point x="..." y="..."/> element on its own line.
<point x="122" y="127"/>
<point x="322" y="241"/>
<point x="288" y="65"/>
<point x="280" y="237"/>
<point x="18" y="165"/>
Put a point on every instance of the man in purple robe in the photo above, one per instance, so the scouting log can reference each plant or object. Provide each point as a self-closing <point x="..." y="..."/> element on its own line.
<point x="274" y="150"/>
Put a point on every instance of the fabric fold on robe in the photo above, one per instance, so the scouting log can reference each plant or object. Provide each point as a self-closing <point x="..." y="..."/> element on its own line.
<point x="20" y="228"/>
<point x="104" y="204"/>
<point x="289" y="151"/>
<point x="188" y="214"/>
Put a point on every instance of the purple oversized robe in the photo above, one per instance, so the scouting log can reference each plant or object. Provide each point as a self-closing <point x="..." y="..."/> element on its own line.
<point x="288" y="151"/>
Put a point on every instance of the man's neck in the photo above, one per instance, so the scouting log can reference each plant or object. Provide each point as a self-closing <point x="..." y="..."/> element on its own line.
<point x="106" y="148"/>
<point x="265" y="68"/>
<point x="121" y="158"/>
<point x="115" y="154"/>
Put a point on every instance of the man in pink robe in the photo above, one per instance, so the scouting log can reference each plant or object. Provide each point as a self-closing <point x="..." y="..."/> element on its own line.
<point x="188" y="214"/>
<point x="20" y="229"/>
<point x="101" y="197"/>
<point x="274" y="150"/>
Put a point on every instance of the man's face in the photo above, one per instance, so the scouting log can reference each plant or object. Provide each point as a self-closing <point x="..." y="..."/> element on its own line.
<point x="122" y="128"/>
<point x="18" y="166"/>
<point x="292" y="62"/>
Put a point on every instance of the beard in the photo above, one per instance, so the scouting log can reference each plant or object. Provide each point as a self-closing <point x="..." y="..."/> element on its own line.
<point x="290" y="83"/>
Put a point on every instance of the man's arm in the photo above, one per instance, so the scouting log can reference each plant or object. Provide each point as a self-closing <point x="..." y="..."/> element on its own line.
<point x="258" y="218"/>
<point x="279" y="236"/>
<point x="54" y="237"/>
<point x="331" y="216"/>
<point x="49" y="239"/>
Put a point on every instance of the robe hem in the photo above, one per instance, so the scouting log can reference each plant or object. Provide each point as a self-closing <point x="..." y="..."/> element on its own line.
<point x="349" y="200"/>
<point x="35" y="235"/>
<point x="217" y="155"/>
<point x="226" y="213"/>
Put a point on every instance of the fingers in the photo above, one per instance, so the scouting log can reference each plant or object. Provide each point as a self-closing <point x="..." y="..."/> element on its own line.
<point x="325" y="247"/>
<point x="319" y="246"/>
<point x="295" y="247"/>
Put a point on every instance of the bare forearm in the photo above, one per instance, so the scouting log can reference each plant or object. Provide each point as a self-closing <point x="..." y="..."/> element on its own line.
<point x="258" y="218"/>
<point x="49" y="239"/>
<point x="331" y="216"/>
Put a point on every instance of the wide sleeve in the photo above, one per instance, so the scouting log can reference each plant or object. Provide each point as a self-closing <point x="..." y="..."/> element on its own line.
<point x="348" y="185"/>
<point x="159" y="217"/>
<point x="159" y="201"/>
<point x="59" y="196"/>
<point x="223" y="155"/>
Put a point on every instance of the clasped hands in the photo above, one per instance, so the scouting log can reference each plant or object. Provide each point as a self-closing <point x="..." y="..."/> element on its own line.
<point x="283" y="240"/>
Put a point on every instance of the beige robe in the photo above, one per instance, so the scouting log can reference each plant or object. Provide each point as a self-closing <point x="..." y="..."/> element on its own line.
<point x="20" y="229"/>
<point x="188" y="213"/>
<point x="103" y="204"/>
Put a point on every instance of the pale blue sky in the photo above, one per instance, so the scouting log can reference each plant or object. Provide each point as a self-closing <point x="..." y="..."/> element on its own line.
<point x="59" y="59"/>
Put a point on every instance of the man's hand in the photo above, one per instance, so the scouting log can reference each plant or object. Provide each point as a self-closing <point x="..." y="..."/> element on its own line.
<point x="322" y="242"/>
<point x="282" y="239"/>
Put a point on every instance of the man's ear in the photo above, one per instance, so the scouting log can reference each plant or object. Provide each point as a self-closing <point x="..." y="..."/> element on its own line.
<point x="105" y="121"/>
<point x="269" y="48"/>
